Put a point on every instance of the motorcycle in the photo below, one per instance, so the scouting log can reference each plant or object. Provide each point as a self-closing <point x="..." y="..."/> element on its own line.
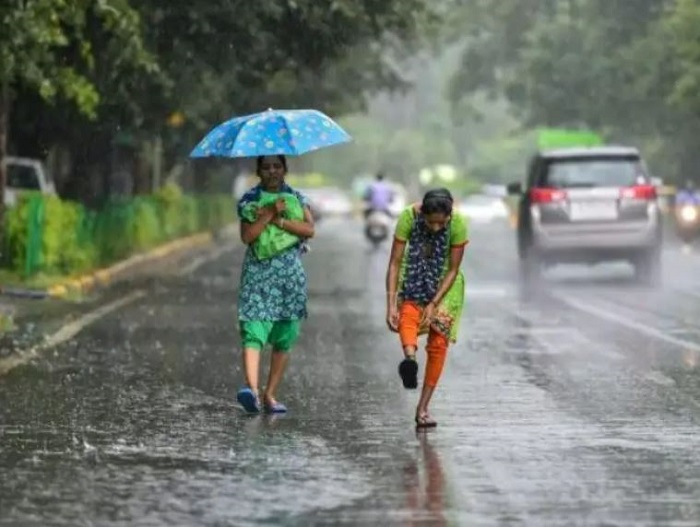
<point x="377" y="226"/>
<point x="688" y="221"/>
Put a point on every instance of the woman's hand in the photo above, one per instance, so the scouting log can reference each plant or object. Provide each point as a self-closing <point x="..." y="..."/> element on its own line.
<point x="428" y="314"/>
<point x="266" y="214"/>
<point x="392" y="318"/>
<point x="301" y="228"/>
<point x="392" y="280"/>
<point x="279" y="206"/>
<point x="251" y="231"/>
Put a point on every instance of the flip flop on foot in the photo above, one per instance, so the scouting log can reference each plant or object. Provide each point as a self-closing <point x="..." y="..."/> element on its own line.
<point x="408" y="371"/>
<point x="425" y="421"/>
<point x="275" y="407"/>
<point x="249" y="401"/>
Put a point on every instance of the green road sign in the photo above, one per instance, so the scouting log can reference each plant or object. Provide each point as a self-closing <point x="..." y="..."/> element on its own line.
<point x="561" y="138"/>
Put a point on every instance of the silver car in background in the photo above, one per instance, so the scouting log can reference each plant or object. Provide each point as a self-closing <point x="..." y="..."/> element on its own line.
<point x="329" y="201"/>
<point x="588" y="205"/>
<point x="481" y="208"/>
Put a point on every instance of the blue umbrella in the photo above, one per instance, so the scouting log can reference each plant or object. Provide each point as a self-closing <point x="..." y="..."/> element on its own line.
<point x="287" y="132"/>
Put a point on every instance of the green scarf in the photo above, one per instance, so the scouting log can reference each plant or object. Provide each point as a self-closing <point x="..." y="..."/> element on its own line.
<point x="273" y="240"/>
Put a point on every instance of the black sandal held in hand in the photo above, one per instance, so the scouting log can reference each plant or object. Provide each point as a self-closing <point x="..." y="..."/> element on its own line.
<point x="408" y="370"/>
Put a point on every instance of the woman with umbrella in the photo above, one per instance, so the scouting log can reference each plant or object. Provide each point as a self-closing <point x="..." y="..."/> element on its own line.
<point x="275" y="222"/>
<point x="273" y="293"/>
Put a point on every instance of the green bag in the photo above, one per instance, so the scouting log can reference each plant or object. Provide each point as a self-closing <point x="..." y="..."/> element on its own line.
<point x="273" y="240"/>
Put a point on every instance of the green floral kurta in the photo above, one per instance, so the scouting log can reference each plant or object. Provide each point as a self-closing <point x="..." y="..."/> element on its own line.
<point x="425" y="262"/>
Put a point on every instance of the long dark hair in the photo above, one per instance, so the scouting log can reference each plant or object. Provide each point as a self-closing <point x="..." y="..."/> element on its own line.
<point x="437" y="201"/>
<point x="259" y="160"/>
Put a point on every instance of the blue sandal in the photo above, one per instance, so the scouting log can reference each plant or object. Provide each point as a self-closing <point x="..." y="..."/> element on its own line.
<point x="275" y="408"/>
<point x="249" y="401"/>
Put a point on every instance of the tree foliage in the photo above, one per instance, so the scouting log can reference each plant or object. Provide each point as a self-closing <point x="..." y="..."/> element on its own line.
<point x="628" y="69"/>
<point x="131" y="66"/>
<point x="49" y="46"/>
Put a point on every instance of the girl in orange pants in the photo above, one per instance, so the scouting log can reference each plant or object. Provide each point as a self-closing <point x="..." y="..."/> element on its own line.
<point x="425" y="289"/>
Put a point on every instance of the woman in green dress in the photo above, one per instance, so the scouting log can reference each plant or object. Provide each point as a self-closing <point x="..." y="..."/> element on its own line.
<point x="425" y="288"/>
<point x="273" y="291"/>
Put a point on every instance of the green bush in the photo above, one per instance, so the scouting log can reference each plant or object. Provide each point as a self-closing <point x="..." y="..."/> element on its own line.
<point x="189" y="215"/>
<point x="48" y="235"/>
<point x="110" y="234"/>
<point x="145" y="227"/>
<point x="54" y="245"/>
<point x="61" y="251"/>
<point x="221" y="211"/>
<point x="169" y="198"/>
<point x="16" y="234"/>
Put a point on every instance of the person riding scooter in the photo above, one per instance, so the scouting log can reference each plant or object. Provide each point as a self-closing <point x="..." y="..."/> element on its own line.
<point x="688" y="195"/>
<point x="378" y="217"/>
<point x="687" y="213"/>
<point x="378" y="196"/>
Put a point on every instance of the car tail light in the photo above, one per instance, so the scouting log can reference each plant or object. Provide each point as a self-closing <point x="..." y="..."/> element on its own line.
<point x="639" y="192"/>
<point x="547" y="195"/>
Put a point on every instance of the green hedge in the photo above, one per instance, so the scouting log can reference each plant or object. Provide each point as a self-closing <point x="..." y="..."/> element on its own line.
<point x="47" y="235"/>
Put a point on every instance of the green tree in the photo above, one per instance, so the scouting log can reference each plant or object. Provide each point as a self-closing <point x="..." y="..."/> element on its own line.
<point x="225" y="60"/>
<point x="215" y="61"/>
<point x="626" y="69"/>
<point x="46" y="48"/>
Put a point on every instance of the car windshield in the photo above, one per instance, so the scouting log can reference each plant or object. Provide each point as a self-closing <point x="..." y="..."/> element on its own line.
<point x="22" y="177"/>
<point x="586" y="173"/>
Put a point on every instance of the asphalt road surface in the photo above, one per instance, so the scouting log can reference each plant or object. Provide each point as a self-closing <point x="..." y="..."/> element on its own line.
<point x="577" y="406"/>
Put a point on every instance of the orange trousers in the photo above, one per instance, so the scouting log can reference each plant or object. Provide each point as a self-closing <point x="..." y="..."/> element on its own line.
<point x="409" y="324"/>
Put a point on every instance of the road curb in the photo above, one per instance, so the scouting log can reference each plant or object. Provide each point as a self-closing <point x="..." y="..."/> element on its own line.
<point x="107" y="276"/>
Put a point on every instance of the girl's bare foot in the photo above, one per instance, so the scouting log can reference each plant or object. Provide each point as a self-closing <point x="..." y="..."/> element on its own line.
<point x="423" y="420"/>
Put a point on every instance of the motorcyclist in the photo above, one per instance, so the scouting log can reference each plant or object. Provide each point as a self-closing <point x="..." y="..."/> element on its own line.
<point x="378" y="196"/>
<point x="688" y="195"/>
<point x="687" y="204"/>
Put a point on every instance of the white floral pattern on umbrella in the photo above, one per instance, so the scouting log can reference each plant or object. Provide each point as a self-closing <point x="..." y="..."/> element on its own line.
<point x="287" y="132"/>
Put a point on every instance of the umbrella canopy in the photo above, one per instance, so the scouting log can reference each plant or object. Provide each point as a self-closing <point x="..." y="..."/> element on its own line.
<point x="286" y="132"/>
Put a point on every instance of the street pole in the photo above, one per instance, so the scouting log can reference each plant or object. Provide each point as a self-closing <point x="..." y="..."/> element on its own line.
<point x="157" y="161"/>
<point x="4" y="110"/>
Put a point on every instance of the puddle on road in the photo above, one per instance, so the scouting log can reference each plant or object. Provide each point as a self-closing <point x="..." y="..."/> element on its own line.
<point x="185" y="472"/>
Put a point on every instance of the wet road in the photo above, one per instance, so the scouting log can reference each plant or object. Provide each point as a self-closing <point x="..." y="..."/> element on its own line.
<point x="578" y="407"/>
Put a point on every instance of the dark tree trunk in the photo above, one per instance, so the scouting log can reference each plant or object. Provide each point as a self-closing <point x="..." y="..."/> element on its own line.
<point x="4" y="113"/>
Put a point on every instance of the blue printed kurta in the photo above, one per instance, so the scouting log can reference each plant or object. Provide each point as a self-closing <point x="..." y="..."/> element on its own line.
<point x="275" y="288"/>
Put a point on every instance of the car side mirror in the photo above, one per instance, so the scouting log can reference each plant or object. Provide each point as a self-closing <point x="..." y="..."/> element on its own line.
<point x="515" y="189"/>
